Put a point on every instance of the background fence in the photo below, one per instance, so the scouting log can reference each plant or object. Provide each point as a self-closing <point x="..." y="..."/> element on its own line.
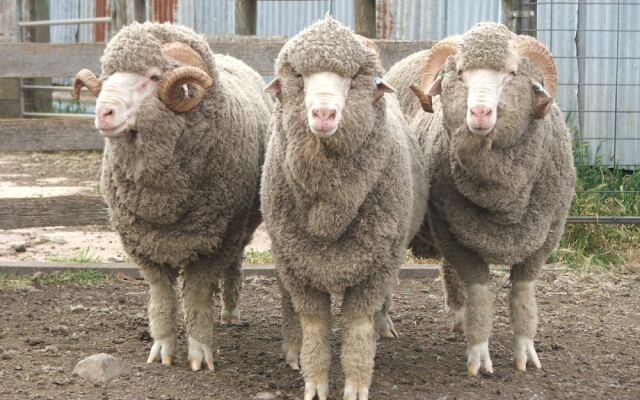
<point x="596" y="44"/>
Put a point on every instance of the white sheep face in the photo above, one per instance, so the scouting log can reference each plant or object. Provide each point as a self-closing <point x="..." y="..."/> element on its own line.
<point x="325" y="94"/>
<point x="485" y="88"/>
<point x="120" y="99"/>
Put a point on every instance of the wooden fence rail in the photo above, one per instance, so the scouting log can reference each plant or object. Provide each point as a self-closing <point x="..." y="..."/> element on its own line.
<point x="46" y="60"/>
<point x="30" y="212"/>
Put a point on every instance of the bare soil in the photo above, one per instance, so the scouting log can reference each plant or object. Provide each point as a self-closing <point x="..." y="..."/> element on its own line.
<point x="588" y="343"/>
<point x="58" y="174"/>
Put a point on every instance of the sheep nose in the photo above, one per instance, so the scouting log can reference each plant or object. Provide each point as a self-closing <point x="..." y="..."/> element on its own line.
<point x="324" y="114"/>
<point x="105" y="115"/>
<point x="480" y="112"/>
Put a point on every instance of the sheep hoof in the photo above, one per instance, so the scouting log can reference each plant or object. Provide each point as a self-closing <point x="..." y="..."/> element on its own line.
<point x="199" y="353"/>
<point x="162" y="351"/>
<point x="231" y="317"/>
<point x="291" y="358"/>
<point x="311" y="390"/>
<point x="385" y="328"/>
<point x="525" y="353"/>
<point x="351" y="392"/>
<point x="167" y="360"/>
<point x="478" y="359"/>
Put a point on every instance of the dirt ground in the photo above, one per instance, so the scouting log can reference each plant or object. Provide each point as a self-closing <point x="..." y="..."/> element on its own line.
<point x="588" y="342"/>
<point x="58" y="174"/>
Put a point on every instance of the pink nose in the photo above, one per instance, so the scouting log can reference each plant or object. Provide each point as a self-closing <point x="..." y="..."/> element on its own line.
<point x="480" y="114"/>
<point x="105" y="115"/>
<point x="324" y="118"/>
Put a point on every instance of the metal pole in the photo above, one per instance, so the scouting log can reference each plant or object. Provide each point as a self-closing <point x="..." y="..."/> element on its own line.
<point x="604" y="220"/>
<point x="74" y="21"/>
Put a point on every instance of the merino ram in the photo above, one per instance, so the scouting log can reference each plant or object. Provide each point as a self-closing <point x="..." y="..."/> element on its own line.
<point x="500" y="168"/>
<point x="343" y="190"/>
<point x="185" y="134"/>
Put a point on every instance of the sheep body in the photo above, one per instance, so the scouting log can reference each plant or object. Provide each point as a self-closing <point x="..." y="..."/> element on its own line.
<point x="499" y="199"/>
<point x="340" y="210"/>
<point x="183" y="190"/>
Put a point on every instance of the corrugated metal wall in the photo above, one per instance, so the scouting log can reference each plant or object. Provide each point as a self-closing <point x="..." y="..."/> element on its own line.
<point x="596" y="44"/>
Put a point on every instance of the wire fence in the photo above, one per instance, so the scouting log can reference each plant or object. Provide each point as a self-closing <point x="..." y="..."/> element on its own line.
<point x="596" y="46"/>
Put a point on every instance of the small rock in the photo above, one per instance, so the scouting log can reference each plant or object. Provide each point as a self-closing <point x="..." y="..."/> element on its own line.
<point x="8" y="355"/>
<point x="101" y="368"/>
<point x="18" y="367"/>
<point x="19" y="247"/>
<point x="34" y="341"/>
<point x="51" y="349"/>
<point x="265" y="396"/>
<point x="77" y="307"/>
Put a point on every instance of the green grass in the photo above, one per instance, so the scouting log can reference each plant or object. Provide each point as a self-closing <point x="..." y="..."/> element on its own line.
<point x="257" y="257"/>
<point x="81" y="256"/>
<point x="598" y="193"/>
<point x="83" y="277"/>
<point x="73" y="107"/>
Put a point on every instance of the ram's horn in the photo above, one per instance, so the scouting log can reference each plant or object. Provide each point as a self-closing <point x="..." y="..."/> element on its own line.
<point x="538" y="54"/>
<point x="433" y="64"/>
<point x="88" y="79"/>
<point x="170" y="88"/>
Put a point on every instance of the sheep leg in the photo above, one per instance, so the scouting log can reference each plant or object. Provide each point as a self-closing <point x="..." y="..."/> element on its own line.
<point x="291" y="331"/>
<point x="358" y="342"/>
<point x="475" y="274"/>
<point x="477" y="326"/>
<point x="162" y="309"/>
<point x="383" y="324"/>
<point x="454" y="296"/>
<point x="197" y="305"/>
<point x="230" y="293"/>
<point x="524" y="312"/>
<point x="315" y="353"/>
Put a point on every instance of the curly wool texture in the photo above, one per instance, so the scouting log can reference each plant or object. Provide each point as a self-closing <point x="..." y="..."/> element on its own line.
<point x="340" y="210"/>
<point x="486" y="45"/>
<point x="186" y="185"/>
<point x="506" y="196"/>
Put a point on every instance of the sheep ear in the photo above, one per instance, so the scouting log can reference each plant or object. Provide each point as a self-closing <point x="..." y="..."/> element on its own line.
<point x="436" y="87"/>
<point x="543" y="105"/>
<point x="382" y="87"/>
<point x="274" y="88"/>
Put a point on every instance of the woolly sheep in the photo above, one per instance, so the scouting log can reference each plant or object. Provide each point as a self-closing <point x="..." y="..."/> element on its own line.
<point x="181" y="172"/>
<point x="500" y="170"/>
<point x="342" y="192"/>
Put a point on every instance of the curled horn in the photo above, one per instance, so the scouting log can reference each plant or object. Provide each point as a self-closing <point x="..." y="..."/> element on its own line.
<point x="195" y="72"/>
<point x="88" y="79"/>
<point x="538" y="54"/>
<point x="433" y="64"/>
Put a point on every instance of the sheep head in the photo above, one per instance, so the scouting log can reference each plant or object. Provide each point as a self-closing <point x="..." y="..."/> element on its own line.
<point x="325" y="60"/>
<point x="121" y="93"/>
<point x="484" y="62"/>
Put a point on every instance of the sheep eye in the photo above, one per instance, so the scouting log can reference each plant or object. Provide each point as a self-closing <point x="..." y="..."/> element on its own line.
<point x="155" y="78"/>
<point x="513" y="73"/>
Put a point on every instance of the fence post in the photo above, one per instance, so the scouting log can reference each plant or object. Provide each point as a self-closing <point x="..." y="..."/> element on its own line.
<point x="9" y="33"/>
<point x="365" y="11"/>
<point x="245" y="17"/>
<point x="40" y="100"/>
<point x="520" y="18"/>
<point x="120" y="14"/>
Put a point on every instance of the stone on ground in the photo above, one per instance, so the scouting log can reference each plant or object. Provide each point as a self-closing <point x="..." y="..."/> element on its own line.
<point x="101" y="368"/>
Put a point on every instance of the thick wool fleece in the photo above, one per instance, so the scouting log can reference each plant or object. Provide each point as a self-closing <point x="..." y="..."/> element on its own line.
<point x="401" y="76"/>
<point x="340" y="210"/>
<point x="504" y="196"/>
<point x="185" y="186"/>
